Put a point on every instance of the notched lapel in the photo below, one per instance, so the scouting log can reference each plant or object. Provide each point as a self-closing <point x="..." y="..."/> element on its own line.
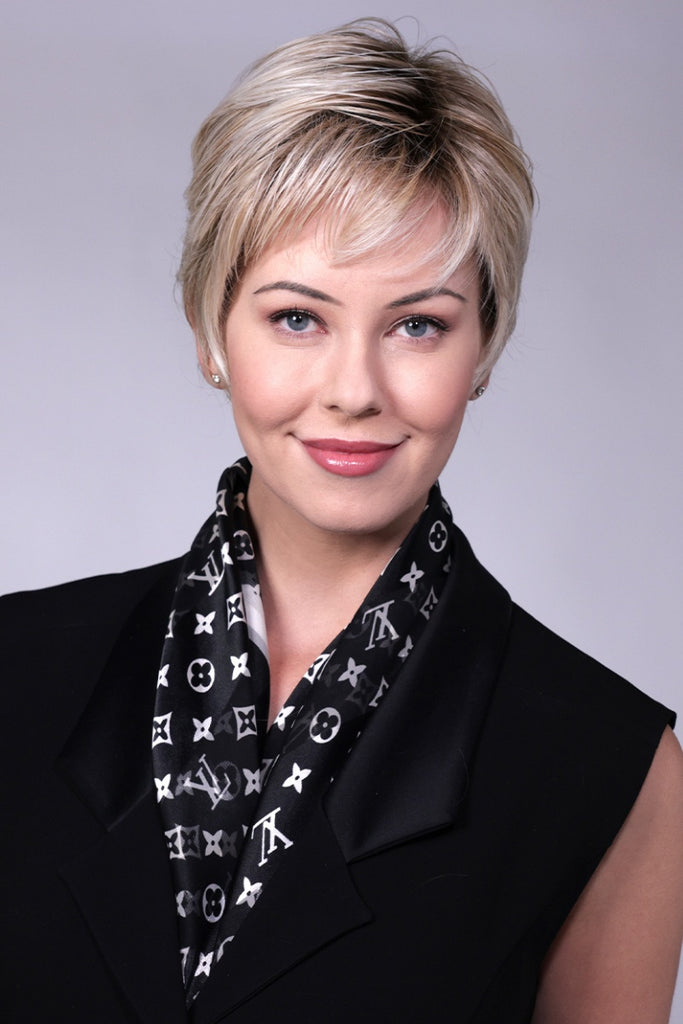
<point x="123" y="889"/>
<point x="122" y="884"/>
<point x="310" y="901"/>
<point x="408" y="775"/>
<point x="107" y="760"/>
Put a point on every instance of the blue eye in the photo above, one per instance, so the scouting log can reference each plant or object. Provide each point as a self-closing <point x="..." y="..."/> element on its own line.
<point x="417" y="328"/>
<point x="296" y="321"/>
<point x="420" y="327"/>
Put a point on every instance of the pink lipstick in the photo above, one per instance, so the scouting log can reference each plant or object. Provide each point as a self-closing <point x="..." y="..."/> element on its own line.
<point x="349" y="458"/>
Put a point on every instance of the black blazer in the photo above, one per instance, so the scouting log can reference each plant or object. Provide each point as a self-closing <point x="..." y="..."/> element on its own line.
<point x="428" y="885"/>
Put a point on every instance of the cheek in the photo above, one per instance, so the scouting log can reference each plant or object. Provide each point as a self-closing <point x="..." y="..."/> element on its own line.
<point x="263" y="392"/>
<point x="434" y="402"/>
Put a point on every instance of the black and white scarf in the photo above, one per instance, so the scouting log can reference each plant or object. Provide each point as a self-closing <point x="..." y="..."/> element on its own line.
<point x="233" y="794"/>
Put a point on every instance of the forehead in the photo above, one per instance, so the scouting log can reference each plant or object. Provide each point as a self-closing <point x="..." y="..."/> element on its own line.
<point x="419" y="248"/>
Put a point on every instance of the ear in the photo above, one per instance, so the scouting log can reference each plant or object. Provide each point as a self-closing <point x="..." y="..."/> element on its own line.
<point x="479" y="388"/>
<point x="210" y="370"/>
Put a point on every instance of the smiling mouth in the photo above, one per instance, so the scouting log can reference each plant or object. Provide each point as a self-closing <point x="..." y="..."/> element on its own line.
<point x="349" y="458"/>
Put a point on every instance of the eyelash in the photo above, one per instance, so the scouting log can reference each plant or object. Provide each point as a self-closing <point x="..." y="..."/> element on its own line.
<point x="431" y="321"/>
<point x="282" y="314"/>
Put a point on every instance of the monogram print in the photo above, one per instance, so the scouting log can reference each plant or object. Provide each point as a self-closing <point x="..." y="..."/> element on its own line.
<point x="232" y="793"/>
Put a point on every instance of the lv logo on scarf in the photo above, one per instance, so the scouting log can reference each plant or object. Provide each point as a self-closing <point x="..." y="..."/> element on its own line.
<point x="233" y="794"/>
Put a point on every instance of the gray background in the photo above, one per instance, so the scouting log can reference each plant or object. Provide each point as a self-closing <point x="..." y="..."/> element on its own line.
<point x="567" y="477"/>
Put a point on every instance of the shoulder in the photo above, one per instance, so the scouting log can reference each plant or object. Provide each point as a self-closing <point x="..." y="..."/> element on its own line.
<point x="541" y="675"/>
<point x="577" y="742"/>
<point x="80" y="603"/>
<point x="55" y="642"/>
<point x="571" y="691"/>
<point x="574" y="730"/>
<point x="593" y="791"/>
<point x="588" y="735"/>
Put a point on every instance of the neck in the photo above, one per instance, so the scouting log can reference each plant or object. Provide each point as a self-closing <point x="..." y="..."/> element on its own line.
<point x="312" y="582"/>
<point x="295" y="553"/>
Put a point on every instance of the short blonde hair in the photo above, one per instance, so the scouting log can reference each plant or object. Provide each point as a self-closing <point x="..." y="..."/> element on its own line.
<point x="354" y="128"/>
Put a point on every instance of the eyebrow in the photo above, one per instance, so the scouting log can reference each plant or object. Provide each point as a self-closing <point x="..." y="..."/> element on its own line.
<point x="313" y="293"/>
<point x="428" y="293"/>
<point x="302" y="289"/>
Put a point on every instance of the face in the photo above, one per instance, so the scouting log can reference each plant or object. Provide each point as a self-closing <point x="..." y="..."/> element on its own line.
<point x="349" y="383"/>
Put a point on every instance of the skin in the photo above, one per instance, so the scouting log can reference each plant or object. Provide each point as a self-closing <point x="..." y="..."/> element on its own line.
<point x="615" y="959"/>
<point x="380" y="350"/>
<point x="317" y="350"/>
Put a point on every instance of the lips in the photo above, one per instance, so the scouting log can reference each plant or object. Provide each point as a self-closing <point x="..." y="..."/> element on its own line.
<point x="349" y="458"/>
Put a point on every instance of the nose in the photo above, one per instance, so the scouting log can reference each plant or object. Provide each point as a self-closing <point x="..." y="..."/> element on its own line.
<point x="353" y="384"/>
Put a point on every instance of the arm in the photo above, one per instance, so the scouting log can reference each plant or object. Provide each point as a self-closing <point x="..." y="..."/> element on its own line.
<point x="616" y="957"/>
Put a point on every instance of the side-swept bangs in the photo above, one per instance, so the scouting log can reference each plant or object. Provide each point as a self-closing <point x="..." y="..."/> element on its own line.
<point x="351" y="130"/>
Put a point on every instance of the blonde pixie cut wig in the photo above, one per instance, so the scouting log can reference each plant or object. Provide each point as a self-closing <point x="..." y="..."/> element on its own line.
<point x="356" y="131"/>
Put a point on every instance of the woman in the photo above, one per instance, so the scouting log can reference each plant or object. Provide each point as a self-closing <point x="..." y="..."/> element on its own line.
<point x="377" y="789"/>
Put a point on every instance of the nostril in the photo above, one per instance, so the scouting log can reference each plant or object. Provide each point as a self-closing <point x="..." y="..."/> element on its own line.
<point x="348" y="414"/>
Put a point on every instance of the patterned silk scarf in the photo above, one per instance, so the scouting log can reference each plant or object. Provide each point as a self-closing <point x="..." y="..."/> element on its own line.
<point x="233" y="794"/>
